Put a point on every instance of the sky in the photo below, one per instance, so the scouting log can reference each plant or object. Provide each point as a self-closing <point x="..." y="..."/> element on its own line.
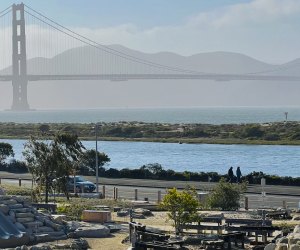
<point x="267" y="30"/>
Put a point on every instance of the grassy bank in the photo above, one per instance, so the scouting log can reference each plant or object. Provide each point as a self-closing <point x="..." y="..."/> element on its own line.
<point x="266" y="134"/>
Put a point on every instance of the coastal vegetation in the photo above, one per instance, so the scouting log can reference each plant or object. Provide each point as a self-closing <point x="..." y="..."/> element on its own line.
<point x="283" y="133"/>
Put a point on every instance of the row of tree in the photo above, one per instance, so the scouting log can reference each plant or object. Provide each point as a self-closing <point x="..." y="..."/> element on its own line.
<point x="58" y="158"/>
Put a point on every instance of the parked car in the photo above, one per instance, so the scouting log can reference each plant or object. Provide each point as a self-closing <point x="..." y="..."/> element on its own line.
<point x="80" y="183"/>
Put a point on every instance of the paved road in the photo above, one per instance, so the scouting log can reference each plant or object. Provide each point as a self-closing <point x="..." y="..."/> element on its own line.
<point x="126" y="190"/>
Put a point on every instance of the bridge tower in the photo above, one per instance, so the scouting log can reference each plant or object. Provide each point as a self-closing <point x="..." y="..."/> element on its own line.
<point x="19" y="61"/>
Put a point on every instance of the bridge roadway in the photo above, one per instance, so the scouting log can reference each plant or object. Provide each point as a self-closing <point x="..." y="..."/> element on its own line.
<point x="125" y="77"/>
<point x="275" y="195"/>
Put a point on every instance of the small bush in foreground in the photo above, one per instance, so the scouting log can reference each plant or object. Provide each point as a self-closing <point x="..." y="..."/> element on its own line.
<point x="226" y="196"/>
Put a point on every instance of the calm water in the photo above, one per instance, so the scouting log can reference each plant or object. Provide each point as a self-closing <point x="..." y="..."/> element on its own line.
<point x="210" y="115"/>
<point x="280" y="160"/>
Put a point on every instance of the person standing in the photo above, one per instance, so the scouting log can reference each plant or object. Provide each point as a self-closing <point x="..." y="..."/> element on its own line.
<point x="238" y="175"/>
<point x="230" y="175"/>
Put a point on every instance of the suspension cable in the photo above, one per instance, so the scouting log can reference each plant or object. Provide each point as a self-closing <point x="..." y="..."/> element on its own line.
<point x="106" y="48"/>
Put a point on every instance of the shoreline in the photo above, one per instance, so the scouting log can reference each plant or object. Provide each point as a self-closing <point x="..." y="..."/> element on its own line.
<point x="278" y="133"/>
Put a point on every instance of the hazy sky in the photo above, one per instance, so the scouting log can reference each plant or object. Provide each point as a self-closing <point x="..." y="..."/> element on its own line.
<point x="268" y="30"/>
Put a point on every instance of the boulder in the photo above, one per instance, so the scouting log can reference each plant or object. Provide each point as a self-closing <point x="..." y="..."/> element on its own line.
<point x="294" y="247"/>
<point x="20" y="226"/>
<point x="33" y="224"/>
<point x="4" y="209"/>
<point x="297" y="229"/>
<point x="15" y="206"/>
<point x="281" y="247"/>
<point x="143" y="211"/>
<point x="296" y="217"/>
<point x="270" y="246"/>
<point x="92" y="231"/>
<point x="282" y="240"/>
<point x="24" y="215"/>
<point x="293" y="238"/>
<point x="25" y="220"/>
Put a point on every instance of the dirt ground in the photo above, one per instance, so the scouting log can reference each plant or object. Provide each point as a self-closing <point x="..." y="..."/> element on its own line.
<point x="158" y="220"/>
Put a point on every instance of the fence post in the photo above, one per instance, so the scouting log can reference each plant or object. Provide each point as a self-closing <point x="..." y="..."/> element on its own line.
<point x="0" y="181"/>
<point x="159" y="196"/>
<point x="135" y="194"/>
<point x="20" y="182"/>
<point x="114" y="196"/>
<point x="284" y="204"/>
<point x="246" y="203"/>
<point x="117" y="189"/>
<point x="103" y="191"/>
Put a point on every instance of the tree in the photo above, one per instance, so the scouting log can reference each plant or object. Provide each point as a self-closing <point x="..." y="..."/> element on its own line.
<point x="226" y="196"/>
<point x="6" y="150"/>
<point x="181" y="206"/>
<point x="88" y="160"/>
<point x="56" y="159"/>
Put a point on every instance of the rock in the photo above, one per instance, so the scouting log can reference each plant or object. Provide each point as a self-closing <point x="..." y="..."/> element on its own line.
<point x="80" y="244"/>
<point x="293" y="238"/>
<point x="4" y="209"/>
<point x="2" y="191"/>
<point x="44" y="229"/>
<point x="281" y="247"/>
<point x="33" y="224"/>
<point x="143" y="211"/>
<point x="55" y="226"/>
<point x="62" y="246"/>
<point x="24" y="215"/>
<point x="122" y="213"/>
<point x="297" y="229"/>
<point x="25" y="220"/>
<point x="59" y="218"/>
<point x="282" y="240"/>
<point x="15" y="206"/>
<point x="12" y="214"/>
<point x="270" y="246"/>
<point x="138" y="216"/>
<point x="294" y="247"/>
<point x="296" y="217"/>
<point x="20" y="226"/>
<point x="92" y="231"/>
<point x="9" y="202"/>
<point x="21" y="210"/>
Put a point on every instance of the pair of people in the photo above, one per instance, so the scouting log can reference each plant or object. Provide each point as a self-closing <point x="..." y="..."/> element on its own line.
<point x="231" y="175"/>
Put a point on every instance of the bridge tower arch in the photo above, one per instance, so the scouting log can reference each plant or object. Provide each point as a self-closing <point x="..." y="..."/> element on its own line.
<point x="19" y="60"/>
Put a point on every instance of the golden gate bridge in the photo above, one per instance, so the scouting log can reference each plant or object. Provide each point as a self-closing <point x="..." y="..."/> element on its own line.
<point x="45" y="38"/>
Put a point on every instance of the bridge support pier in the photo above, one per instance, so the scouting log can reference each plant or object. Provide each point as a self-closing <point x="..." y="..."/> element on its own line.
<point x="19" y="61"/>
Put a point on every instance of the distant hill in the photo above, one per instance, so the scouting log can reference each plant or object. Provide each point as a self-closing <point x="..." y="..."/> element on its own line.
<point x="87" y="60"/>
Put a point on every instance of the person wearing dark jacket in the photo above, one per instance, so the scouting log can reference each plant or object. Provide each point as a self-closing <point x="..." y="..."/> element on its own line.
<point x="230" y="175"/>
<point x="238" y="175"/>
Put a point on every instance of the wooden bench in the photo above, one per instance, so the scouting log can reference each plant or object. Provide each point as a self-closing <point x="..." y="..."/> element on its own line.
<point x="263" y="231"/>
<point x="278" y="214"/>
<point x="50" y="206"/>
<point x="202" y="225"/>
<point x="234" y="237"/>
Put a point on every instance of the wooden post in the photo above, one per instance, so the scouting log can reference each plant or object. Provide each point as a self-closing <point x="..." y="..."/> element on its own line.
<point x="284" y="204"/>
<point x="246" y="203"/>
<point x="103" y="191"/>
<point x="117" y="189"/>
<point x="159" y="196"/>
<point x="0" y="181"/>
<point x="136" y="194"/>
<point x="114" y="196"/>
<point x="20" y="182"/>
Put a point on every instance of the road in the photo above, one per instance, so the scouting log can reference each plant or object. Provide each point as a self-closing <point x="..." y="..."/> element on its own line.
<point x="275" y="195"/>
